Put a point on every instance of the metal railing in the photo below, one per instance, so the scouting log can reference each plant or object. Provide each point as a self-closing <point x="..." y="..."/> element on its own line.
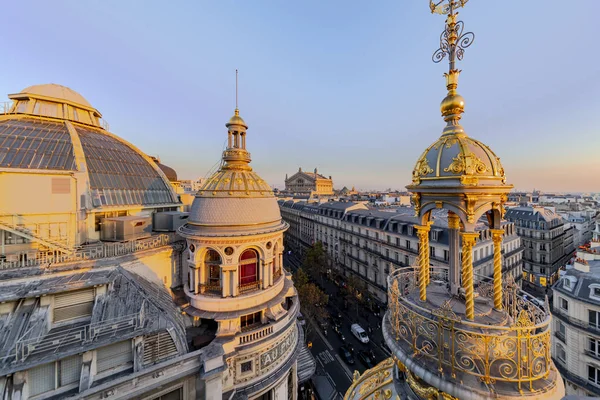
<point x="249" y="287"/>
<point x="89" y="252"/>
<point x="518" y="352"/>
<point x="31" y="228"/>
<point x="210" y="289"/>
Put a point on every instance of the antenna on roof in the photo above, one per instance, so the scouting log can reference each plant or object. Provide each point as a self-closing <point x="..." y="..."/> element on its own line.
<point x="236" y="89"/>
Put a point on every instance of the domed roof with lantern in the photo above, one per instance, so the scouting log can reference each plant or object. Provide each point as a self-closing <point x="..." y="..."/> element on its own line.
<point x="455" y="158"/>
<point x="235" y="199"/>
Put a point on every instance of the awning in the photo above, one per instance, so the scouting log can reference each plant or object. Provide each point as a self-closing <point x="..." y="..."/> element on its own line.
<point x="306" y="362"/>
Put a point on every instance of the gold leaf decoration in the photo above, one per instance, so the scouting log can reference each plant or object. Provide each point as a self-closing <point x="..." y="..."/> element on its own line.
<point x="422" y="168"/>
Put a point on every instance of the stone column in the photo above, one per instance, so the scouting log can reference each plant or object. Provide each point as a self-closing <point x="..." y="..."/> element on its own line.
<point x="235" y="282"/>
<point x="192" y="278"/>
<point x="227" y="274"/>
<point x="497" y="239"/>
<point x="453" y="252"/>
<point x="423" y="234"/>
<point x="468" y="240"/>
<point x="264" y="266"/>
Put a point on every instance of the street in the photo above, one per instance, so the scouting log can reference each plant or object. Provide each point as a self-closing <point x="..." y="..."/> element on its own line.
<point x="326" y="345"/>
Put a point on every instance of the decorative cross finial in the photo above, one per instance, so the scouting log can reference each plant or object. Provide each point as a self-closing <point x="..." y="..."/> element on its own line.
<point x="453" y="41"/>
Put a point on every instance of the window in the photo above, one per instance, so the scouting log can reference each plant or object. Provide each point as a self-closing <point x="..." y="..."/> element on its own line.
<point x="561" y="355"/>
<point x="52" y="376"/>
<point x="594" y="346"/>
<point x="176" y="394"/>
<point x="248" y="270"/>
<point x="396" y="255"/>
<point x="561" y="331"/>
<point x="212" y="260"/>
<point x="543" y="270"/>
<point x="595" y="291"/>
<point x="246" y="367"/>
<point x="408" y="244"/>
<point x="72" y="305"/>
<point x="250" y="319"/>
<point x="594" y="319"/>
<point x="593" y="375"/>
<point x="407" y="260"/>
<point x="567" y="284"/>
<point x="117" y="356"/>
<point x="432" y="251"/>
<point x="564" y="304"/>
<point x="446" y="255"/>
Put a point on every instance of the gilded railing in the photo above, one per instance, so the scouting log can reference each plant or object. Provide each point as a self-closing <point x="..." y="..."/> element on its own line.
<point x="249" y="287"/>
<point x="517" y="351"/>
<point x="210" y="289"/>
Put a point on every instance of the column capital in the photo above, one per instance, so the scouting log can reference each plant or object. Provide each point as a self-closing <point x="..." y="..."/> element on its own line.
<point x="499" y="232"/>
<point x="469" y="238"/>
<point x="423" y="228"/>
<point x="453" y="221"/>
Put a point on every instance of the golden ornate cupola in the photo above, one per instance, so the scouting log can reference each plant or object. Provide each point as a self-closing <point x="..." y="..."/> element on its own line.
<point x="455" y="334"/>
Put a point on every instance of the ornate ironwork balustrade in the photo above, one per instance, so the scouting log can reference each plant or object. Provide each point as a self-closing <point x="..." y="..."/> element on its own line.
<point x="516" y="350"/>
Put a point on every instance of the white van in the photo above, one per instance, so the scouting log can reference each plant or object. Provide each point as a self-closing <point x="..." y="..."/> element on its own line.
<point x="360" y="333"/>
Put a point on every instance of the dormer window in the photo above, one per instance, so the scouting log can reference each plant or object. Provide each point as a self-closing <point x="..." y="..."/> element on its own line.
<point x="595" y="291"/>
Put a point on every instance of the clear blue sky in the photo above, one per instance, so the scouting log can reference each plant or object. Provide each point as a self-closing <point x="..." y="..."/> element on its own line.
<point x="345" y="86"/>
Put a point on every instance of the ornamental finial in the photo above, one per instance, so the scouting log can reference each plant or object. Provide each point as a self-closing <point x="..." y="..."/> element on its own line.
<point x="453" y="43"/>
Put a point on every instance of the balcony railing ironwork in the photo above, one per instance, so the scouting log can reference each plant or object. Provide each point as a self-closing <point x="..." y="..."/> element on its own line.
<point x="249" y="287"/>
<point x="515" y="353"/>
<point x="88" y="252"/>
<point x="210" y="289"/>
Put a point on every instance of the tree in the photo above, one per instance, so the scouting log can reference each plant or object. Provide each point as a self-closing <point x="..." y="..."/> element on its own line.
<point x="316" y="261"/>
<point x="300" y="278"/>
<point x="355" y="292"/>
<point x="313" y="304"/>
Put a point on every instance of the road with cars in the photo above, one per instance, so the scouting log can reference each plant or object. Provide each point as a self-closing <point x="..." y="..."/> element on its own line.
<point x="326" y="343"/>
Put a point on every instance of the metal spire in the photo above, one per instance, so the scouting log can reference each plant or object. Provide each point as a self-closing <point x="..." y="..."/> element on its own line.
<point x="453" y="42"/>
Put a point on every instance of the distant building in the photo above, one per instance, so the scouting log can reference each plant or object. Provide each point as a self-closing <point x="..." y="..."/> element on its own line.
<point x="309" y="183"/>
<point x="547" y="242"/>
<point x="576" y="325"/>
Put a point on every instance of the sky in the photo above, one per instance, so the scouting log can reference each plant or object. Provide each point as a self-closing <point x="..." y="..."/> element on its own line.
<point x="347" y="87"/>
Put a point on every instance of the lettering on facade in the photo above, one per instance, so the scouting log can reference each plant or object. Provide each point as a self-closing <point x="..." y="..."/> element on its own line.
<point x="276" y="352"/>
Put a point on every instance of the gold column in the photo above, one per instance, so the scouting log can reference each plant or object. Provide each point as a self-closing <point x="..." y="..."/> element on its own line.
<point x="423" y="234"/>
<point x="497" y="239"/>
<point x="468" y="240"/>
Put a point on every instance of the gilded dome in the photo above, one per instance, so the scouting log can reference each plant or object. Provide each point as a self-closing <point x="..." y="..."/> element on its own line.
<point x="458" y="156"/>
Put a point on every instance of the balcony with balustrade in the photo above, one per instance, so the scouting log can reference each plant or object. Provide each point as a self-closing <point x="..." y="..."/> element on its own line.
<point x="498" y="353"/>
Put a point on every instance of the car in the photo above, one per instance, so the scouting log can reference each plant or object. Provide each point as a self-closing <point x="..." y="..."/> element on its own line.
<point x="339" y="332"/>
<point x="534" y="300"/>
<point x="346" y="355"/>
<point x="350" y="347"/>
<point x="365" y="358"/>
<point x="301" y="319"/>
<point x="359" y="332"/>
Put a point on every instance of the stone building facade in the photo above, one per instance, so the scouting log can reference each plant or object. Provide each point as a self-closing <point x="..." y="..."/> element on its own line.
<point x="367" y="242"/>
<point x="308" y="184"/>
<point x="205" y="315"/>
<point x="547" y="243"/>
<point x="576" y="328"/>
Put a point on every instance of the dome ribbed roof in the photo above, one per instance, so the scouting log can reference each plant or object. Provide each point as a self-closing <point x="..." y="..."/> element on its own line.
<point x="57" y="92"/>
<point x="461" y="157"/>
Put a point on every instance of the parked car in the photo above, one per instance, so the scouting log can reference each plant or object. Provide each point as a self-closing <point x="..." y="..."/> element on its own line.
<point x="346" y="355"/>
<point x="359" y="332"/>
<point x="350" y="347"/>
<point x="301" y="319"/>
<point x="365" y="358"/>
<point x="534" y="300"/>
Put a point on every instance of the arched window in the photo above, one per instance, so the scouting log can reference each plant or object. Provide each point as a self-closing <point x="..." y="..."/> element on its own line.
<point x="212" y="262"/>
<point x="248" y="270"/>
